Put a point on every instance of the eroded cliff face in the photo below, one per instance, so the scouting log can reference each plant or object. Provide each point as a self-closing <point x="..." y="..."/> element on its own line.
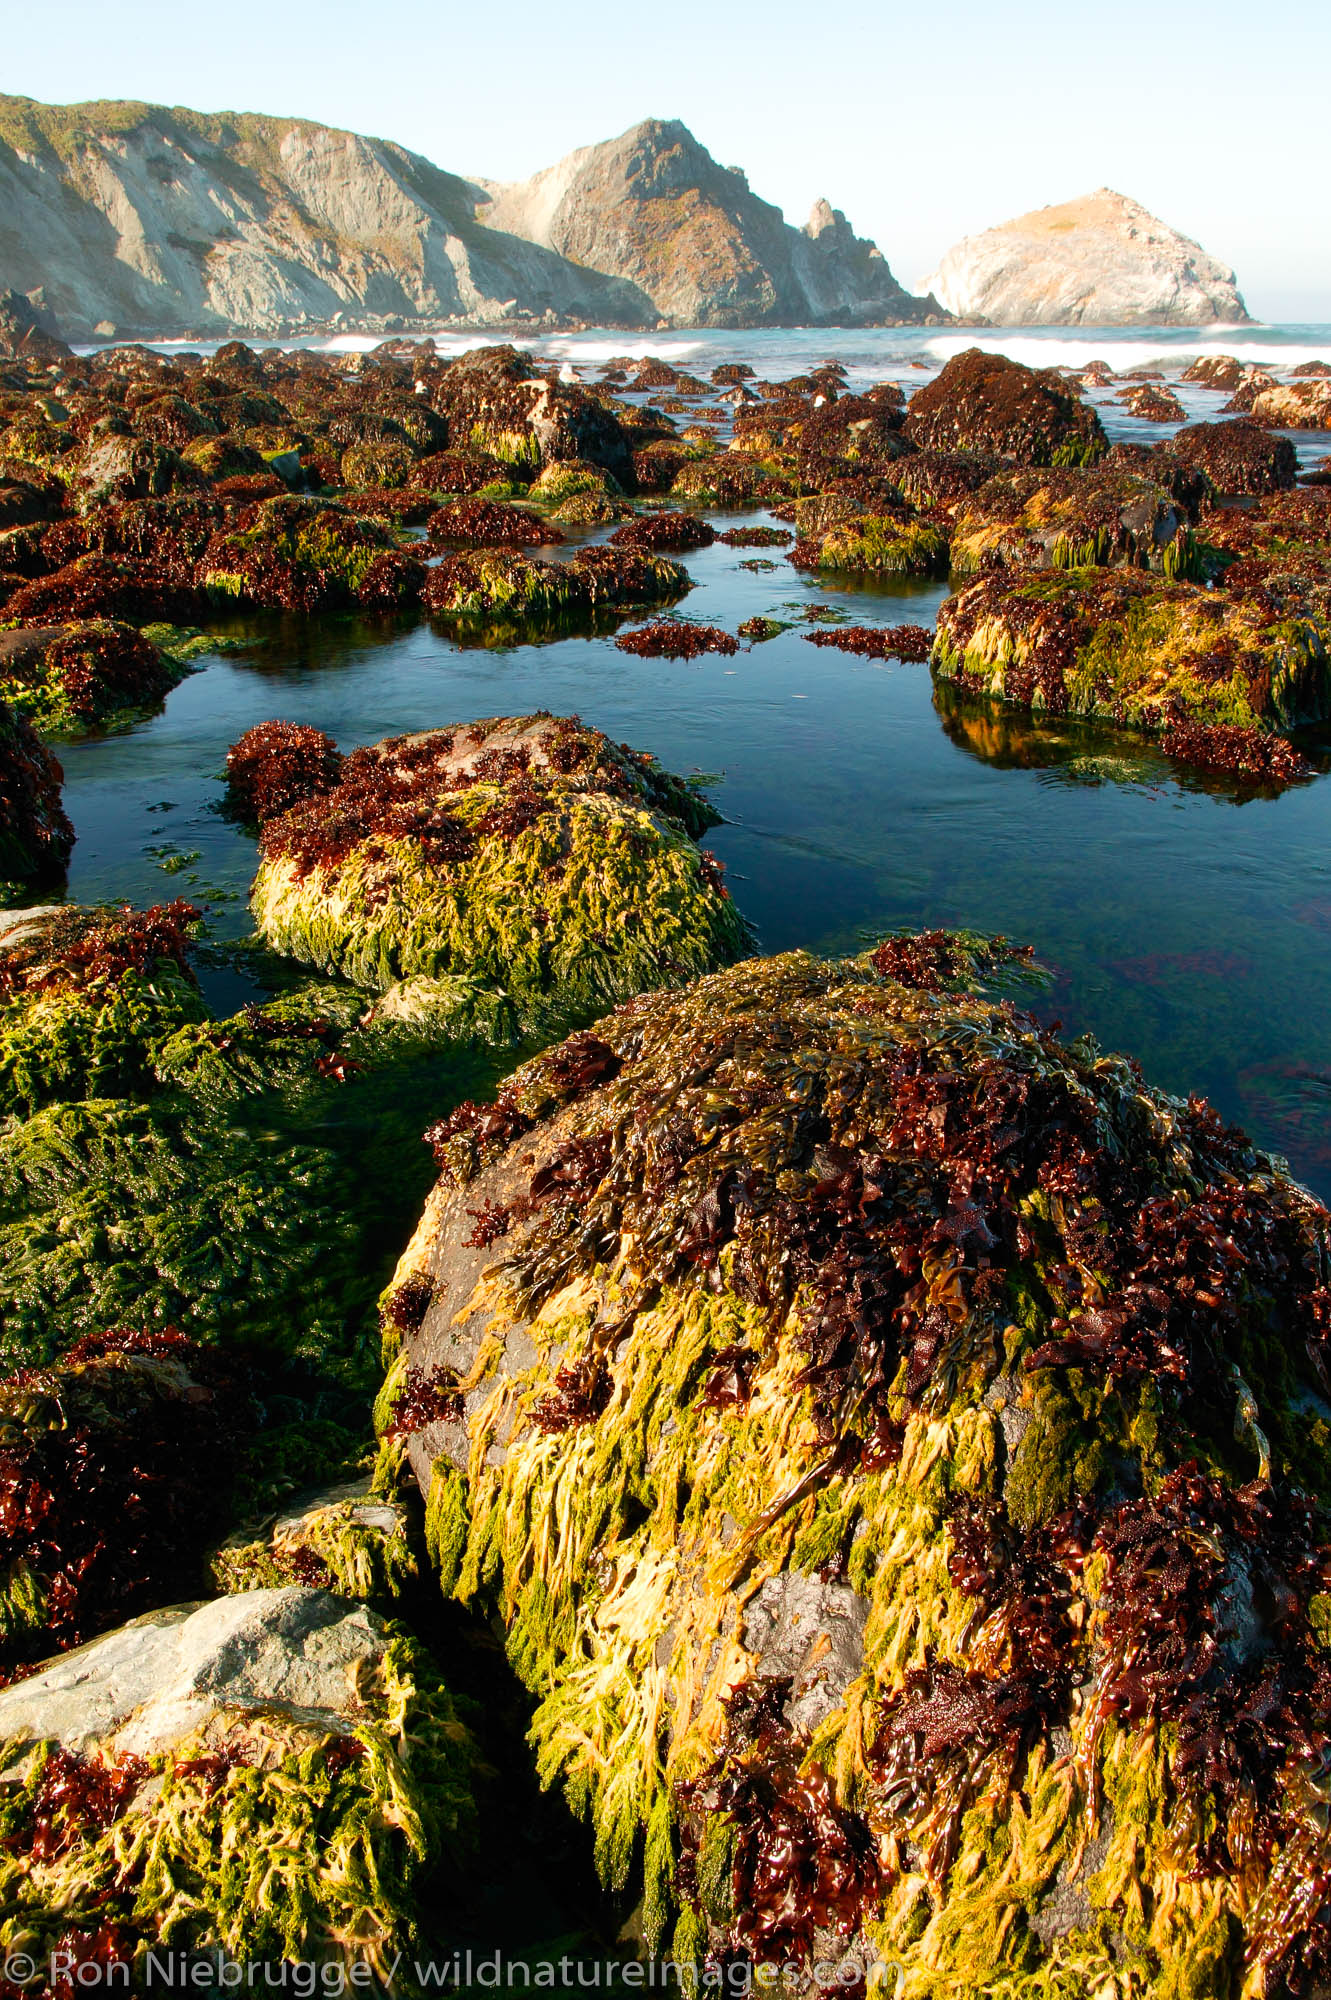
<point x="143" y="220"/>
<point x="1102" y="260"/>
<point x="653" y="207"/>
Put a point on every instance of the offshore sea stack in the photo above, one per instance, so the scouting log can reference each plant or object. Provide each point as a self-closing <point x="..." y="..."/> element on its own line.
<point x="653" y="207"/>
<point x="1102" y="260"/>
<point x="884" y="1431"/>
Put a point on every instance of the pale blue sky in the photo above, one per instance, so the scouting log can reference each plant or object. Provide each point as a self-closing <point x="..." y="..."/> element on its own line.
<point x="923" y="123"/>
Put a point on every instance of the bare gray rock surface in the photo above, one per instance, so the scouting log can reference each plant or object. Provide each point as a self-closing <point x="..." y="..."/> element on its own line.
<point x="1102" y="260"/>
<point x="150" y="1684"/>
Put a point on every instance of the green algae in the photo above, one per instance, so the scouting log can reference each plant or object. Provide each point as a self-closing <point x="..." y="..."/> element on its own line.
<point x="1134" y="650"/>
<point x="622" y="1531"/>
<point x="881" y="544"/>
<point x="525" y="928"/>
<point x="327" y="1850"/>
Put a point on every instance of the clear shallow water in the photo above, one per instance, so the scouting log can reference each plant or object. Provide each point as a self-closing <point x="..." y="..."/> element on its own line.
<point x="1183" y="925"/>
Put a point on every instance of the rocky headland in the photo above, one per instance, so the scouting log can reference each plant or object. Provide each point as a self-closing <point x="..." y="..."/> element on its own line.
<point x="1102" y="260"/>
<point x="125" y="219"/>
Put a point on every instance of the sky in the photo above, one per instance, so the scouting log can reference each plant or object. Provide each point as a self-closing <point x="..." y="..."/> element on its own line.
<point x="924" y="124"/>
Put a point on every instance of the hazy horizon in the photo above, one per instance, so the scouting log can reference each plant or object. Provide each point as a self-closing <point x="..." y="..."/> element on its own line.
<point x="1181" y="124"/>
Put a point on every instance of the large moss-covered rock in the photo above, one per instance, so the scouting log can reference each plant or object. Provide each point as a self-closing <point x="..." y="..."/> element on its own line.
<point x="304" y="555"/>
<point x="35" y="834"/>
<point x="527" y="868"/>
<point x="276" y="1775"/>
<point x="1239" y="459"/>
<point x="1135" y="649"/>
<point x="896" y="1443"/>
<point x="1067" y="518"/>
<point x="984" y="402"/>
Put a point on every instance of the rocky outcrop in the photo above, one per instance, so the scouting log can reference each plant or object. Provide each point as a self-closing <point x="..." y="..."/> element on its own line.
<point x="134" y="219"/>
<point x="501" y="875"/>
<point x="35" y="833"/>
<point x="653" y="207"/>
<point x="808" y="1367"/>
<point x="1102" y="260"/>
<point x="984" y="402"/>
<point x="160" y="1782"/>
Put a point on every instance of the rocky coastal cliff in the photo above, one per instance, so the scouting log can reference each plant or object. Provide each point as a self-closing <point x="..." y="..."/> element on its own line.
<point x="134" y="220"/>
<point x="1102" y="260"/>
<point x="655" y="208"/>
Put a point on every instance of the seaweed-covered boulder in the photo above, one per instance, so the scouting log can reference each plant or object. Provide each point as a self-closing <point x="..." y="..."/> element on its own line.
<point x="665" y="531"/>
<point x="504" y="590"/>
<point x="1135" y="649"/>
<point x="1151" y="403"/>
<point x="295" y="554"/>
<point x="984" y="402"/>
<point x="277" y="765"/>
<point x="113" y="1470"/>
<point x="88" y="997"/>
<point x="498" y="401"/>
<point x="524" y="869"/>
<point x="346" y="1538"/>
<point x="276" y="1775"/>
<point x="35" y="834"/>
<point x="1294" y="406"/>
<point x="67" y="678"/>
<point x="488" y="524"/>
<point x="1237" y="458"/>
<point x="896" y="1444"/>
<point x="1067" y="518"/>
<point x="843" y="533"/>
<point x="132" y="589"/>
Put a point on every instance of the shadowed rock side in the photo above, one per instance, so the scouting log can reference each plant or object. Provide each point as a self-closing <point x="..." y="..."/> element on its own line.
<point x="1102" y="260"/>
<point x="133" y="218"/>
<point x="653" y="207"/>
<point x="886" y="1433"/>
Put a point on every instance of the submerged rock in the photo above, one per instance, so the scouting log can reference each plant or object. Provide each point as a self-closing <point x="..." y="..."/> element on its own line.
<point x="527" y="864"/>
<point x="984" y="402"/>
<point x="35" y="834"/>
<point x="1135" y="649"/>
<point x="276" y="1775"/>
<point x="885" y="1432"/>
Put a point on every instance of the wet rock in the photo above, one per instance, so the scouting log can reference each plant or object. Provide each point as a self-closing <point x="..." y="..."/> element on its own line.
<point x="35" y="834"/>
<point x="503" y="857"/>
<point x="1135" y="649"/>
<point x="1071" y="519"/>
<point x="487" y="586"/>
<point x="1238" y="458"/>
<point x="984" y="402"/>
<point x="790" y="1340"/>
<point x="1154" y="405"/>
<point x="154" y="1774"/>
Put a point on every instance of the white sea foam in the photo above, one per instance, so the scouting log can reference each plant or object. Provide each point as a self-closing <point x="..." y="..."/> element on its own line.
<point x="1169" y="346"/>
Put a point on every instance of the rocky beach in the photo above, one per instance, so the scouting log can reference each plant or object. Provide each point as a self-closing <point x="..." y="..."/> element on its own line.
<point x="665" y="1291"/>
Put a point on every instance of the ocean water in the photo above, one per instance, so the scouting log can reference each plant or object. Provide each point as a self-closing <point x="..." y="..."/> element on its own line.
<point x="1183" y="921"/>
